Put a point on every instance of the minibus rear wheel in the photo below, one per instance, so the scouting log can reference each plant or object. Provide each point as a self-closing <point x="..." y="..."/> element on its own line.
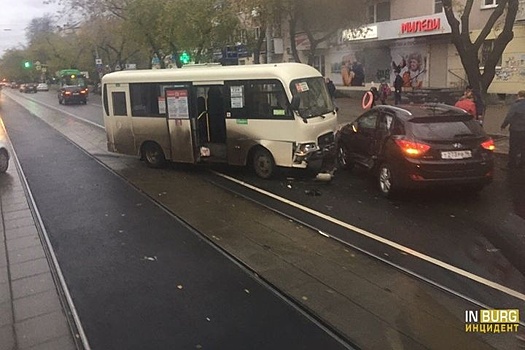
<point x="153" y="155"/>
<point x="263" y="163"/>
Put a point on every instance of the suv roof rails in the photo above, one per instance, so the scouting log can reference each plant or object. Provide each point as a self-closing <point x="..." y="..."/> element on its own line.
<point x="399" y="109"/>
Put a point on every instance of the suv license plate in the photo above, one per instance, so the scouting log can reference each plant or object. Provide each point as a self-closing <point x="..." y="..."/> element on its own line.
<point x="456" y="154"/>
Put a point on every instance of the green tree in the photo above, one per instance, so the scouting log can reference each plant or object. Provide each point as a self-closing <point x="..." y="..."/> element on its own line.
<point x="304" y="15"/>
<point x="255" y="17"/>
<point x="12" y="65"/>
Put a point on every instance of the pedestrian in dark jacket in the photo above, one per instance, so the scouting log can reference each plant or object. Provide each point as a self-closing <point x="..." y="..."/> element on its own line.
<point x="516" y="119"/>
<point x="331" y="90"/>
<point x="398" y="86"/>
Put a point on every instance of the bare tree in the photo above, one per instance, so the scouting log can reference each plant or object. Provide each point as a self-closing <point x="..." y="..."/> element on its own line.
<point x="468" y="48"/>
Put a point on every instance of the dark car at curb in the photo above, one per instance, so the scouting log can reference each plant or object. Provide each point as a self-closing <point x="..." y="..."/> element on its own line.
<point x="28" y="88"/>
<point x="415" y="146"/>
<point x="4" y="158"/>
<point x="72" y="94"/>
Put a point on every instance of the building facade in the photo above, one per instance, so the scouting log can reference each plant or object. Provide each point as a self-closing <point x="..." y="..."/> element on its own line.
<point x="414" y="37"/>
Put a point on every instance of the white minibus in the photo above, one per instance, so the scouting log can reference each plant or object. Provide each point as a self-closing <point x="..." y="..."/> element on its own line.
<point x="263" y="115"/>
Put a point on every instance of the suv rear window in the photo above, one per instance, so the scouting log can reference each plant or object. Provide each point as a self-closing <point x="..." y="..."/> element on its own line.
<point x="445" y="129"/>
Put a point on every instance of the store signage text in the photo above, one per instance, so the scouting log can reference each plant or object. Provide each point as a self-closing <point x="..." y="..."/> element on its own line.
<point x="361" y="33"/>
<point x="424" y="25"/>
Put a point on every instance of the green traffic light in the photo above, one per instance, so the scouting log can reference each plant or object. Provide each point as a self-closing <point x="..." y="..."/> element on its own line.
<point x="185" y="58"/>
<point x="27" y="64"/>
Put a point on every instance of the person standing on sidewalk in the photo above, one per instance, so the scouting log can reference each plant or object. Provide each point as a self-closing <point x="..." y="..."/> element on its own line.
<point x="467" y="103"/>
<point x="398" y="86"/>
<point x="331" y="91"/>
<point x="516" y="119"/>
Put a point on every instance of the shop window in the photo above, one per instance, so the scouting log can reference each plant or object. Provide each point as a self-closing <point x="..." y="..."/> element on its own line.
<point x="319" y="64"/>
<point x="438" y="6"/>
<point x="379" y="12"/>
<point x="489" y="3"/>
<point x="119" y="103"/>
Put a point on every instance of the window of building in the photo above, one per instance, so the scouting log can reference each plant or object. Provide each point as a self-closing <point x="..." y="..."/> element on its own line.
<point x="379" y="12"/>
<point x="485" y="51"/>
<point x="119" y="103"/>
<point x="489" y="3"/>
<point x="520" y="16"/>
<point x="319" y="64"/>
<point x="438" y="6"/>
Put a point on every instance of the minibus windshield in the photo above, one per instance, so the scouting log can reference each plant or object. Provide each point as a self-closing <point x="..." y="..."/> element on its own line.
<point x="314" y="98"/>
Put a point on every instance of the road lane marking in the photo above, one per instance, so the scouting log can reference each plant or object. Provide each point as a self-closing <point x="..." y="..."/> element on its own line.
<point x="383" y="240"/>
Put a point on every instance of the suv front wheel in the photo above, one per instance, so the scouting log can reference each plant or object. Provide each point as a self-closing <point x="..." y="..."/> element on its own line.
<point x="342" y="158"/>
<point x="386" y="180"/>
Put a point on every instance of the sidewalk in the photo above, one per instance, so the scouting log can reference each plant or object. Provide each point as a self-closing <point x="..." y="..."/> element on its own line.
<point x="350" y="108"/>
<point x="31" y="312"/>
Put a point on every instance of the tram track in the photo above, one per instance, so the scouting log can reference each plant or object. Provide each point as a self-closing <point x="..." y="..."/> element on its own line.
<point x="64" y="295"/>
<point x="101" y="156"/>
<point x="248" y="188"/>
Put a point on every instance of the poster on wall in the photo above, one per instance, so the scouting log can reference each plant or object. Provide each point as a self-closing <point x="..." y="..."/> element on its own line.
<point x="512" y="69"/>
<point x="411" y="60"/>
<point x="346" y="69"/>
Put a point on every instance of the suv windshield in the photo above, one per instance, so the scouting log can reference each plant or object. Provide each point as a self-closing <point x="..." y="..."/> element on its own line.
<point x="446" y="130"/>
<point x="315" y="100"/>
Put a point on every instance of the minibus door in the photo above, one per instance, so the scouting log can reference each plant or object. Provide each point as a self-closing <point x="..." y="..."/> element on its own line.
<point x="119" y="123"/>
<point x="180" y="125"/>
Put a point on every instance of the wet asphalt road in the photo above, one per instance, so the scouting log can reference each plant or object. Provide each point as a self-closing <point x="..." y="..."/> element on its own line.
<point x="139" y="277"/>
<point x="481" y="234"/>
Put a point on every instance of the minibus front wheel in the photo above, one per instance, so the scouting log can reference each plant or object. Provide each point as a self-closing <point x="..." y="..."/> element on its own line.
<point x="153" y="155"/>
<point x="263" y="163"/>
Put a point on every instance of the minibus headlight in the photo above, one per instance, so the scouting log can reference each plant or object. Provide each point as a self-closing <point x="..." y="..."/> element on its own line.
<point x="305" y="148"/>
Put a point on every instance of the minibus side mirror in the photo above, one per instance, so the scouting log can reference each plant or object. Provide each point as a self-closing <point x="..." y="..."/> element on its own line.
<point x="296" y="102"/>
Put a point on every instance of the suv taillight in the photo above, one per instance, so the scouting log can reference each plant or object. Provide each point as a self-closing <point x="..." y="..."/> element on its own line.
<point x="489" y="145"/>
<point x="412" y="149"/>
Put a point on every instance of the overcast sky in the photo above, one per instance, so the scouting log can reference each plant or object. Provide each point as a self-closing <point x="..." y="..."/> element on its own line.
<point x="15" y="16"/>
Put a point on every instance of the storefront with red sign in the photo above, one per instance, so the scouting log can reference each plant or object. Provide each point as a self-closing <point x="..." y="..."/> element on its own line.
<point x="418" y="47"/>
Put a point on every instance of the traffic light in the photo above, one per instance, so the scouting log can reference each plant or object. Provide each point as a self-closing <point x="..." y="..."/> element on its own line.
<point x="185" y="58"/>
<point x="28" y="64"/>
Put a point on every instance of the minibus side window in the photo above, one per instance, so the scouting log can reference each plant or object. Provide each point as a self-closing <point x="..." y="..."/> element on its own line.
<point x="119" y="103"/>
<point x="144" y="98"/>
<point x="267" y="100"/>
<point x="258" y="99"/>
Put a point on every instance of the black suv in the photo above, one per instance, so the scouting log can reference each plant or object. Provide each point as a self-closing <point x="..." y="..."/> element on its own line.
<point x="418" y="145"/>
